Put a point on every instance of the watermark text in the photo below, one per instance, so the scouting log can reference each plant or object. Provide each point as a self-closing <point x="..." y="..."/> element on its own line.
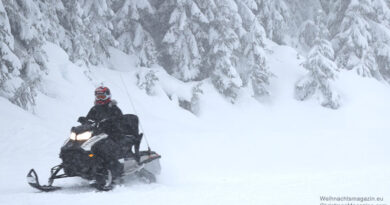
<point x="352" y="200"/>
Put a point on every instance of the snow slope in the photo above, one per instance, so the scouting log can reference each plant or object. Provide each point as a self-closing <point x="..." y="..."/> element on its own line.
<point x="280" y="151"/>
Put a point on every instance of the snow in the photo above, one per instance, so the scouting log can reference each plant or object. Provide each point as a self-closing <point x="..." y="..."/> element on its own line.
<point x="122" y="61"/>
<point x="280" y="151"/>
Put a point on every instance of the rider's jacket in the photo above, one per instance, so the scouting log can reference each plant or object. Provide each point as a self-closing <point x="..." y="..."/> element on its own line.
<point x="100" y="112"/>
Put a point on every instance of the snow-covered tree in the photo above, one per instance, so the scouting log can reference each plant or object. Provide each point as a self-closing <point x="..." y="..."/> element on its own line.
<point x="79" y="47"/>
<point x="147" y="80"/>
<point x="25" y="20"/>
<point x="195" y="99"/>
<point x="360" y="31"/>
<point x="10" y="64"/>
<point x="51" y="27"/>
<point x="87" y="29"/>
<point x="307" y="34"/>
<point x="180" y="41"/>
<point x="381" y="36"/>
<point x="354" y="39"/>
<point x="322" y="70"/>
<point x="223" y="41"/>
<point x="132" y="37"/>
<point x="382" y="53"/>
<point x="273" y="15"/>
<point x="96" y="18"/>
<point x="256" y="72"/>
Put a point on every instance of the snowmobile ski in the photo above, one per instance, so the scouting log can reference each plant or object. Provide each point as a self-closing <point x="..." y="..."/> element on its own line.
<point x="33" y="181"/>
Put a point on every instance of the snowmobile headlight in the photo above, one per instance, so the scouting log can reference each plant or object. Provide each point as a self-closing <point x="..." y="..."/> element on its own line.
<point x="82" y="136"/>
<point x="72" y="136"/>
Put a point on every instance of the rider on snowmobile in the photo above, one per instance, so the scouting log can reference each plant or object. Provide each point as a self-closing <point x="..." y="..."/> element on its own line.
<point x="110" y="148"/>
<point x="116" y="136"/>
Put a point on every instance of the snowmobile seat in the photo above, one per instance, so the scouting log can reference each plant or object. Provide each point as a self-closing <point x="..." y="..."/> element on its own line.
<point x="128" y="124"/>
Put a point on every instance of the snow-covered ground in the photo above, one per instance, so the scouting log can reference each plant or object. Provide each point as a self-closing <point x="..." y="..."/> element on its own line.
<point x="280" y="151"/>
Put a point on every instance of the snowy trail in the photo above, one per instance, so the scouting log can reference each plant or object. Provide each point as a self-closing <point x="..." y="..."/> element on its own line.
<point x="284" y="152"/>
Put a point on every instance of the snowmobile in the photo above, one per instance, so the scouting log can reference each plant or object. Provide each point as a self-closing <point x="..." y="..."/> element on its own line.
<point x="79" y="159"/>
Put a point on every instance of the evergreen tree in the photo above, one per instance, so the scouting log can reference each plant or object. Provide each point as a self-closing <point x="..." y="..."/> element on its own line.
<point x="223" y="41"/>
<point x="273" y="15"/>
<point x="381" y="36"/>
<point x="256" y="72"/>
<point x="180" y="42"/>
<point x="26" y="24"/>
<point x="195" y="99"/>
<point x="354" y="39"/>
<point x="10" y="64"/>
<point x="96" y="18"/>
<point x="52" y="29"/>
<point x="146" y="80"/>
<point x="133" y="38"/>
<point x="322" y="70"/>
<point x="360" y="30"/>
<point x="79" y="47"/>
<point x="307" y="35"/>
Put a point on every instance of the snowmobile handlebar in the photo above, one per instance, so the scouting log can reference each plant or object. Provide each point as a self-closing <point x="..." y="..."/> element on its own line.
<point x="105" y="125"/>
<point x="84" y="120"/>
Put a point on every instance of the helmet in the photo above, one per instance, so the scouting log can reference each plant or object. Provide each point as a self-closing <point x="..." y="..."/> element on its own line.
<point x="102" y="95"/>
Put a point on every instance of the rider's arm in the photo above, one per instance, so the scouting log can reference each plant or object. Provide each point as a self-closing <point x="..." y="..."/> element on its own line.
<point x="117" y="111"/>
<point x="91" y="114"/>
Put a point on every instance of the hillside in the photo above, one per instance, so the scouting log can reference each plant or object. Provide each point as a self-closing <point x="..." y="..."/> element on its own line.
<point x="280" y="151"/>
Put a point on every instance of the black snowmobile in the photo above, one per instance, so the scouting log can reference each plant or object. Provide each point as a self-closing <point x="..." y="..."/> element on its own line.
<point x="79" y="158"/>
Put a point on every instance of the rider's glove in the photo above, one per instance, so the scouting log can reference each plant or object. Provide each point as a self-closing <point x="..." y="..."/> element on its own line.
<point x="82" y="120"/>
